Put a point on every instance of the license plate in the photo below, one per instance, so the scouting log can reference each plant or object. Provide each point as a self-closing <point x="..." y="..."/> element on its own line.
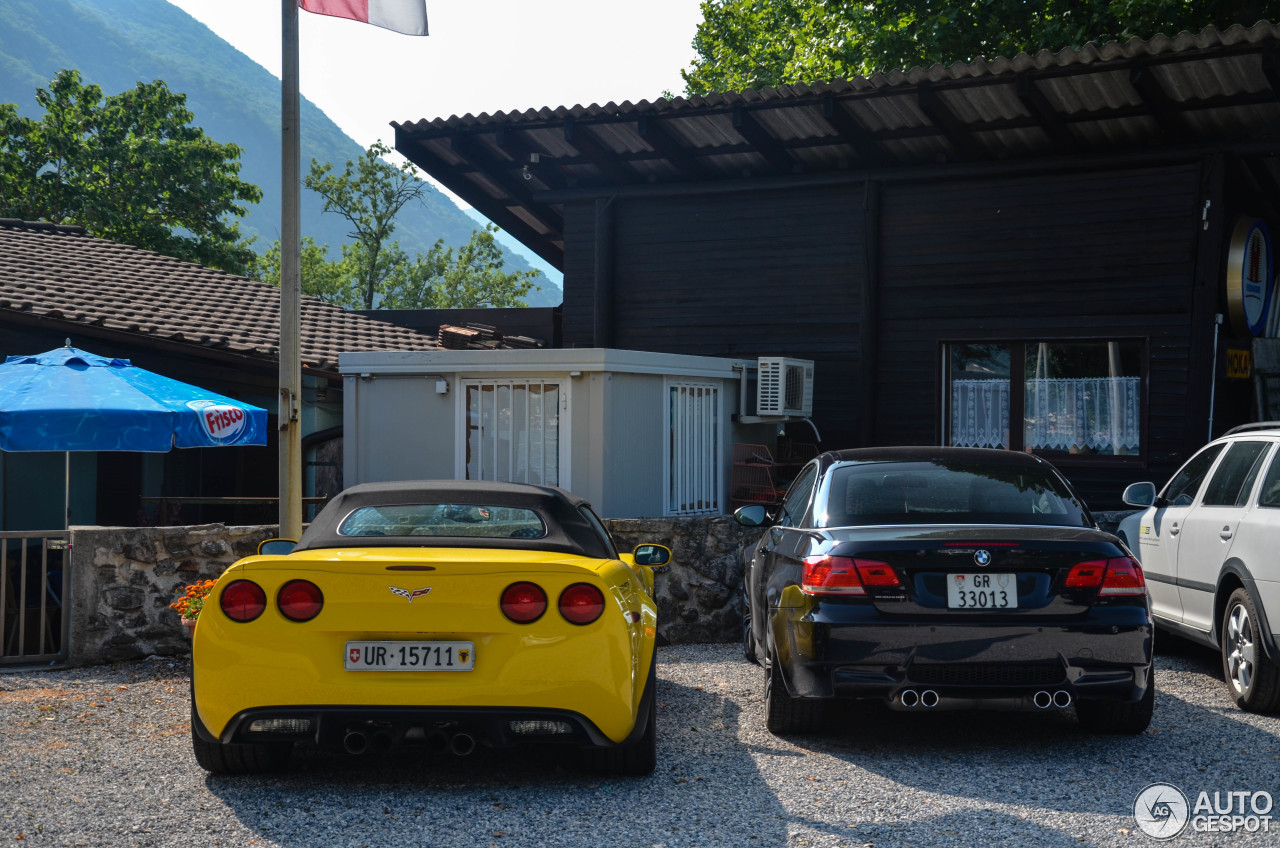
<point x="410" y="656"/>
<point x="982" y="591"/>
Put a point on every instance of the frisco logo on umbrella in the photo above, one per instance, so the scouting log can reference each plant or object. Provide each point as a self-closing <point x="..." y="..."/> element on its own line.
<point x="220" y="422"/>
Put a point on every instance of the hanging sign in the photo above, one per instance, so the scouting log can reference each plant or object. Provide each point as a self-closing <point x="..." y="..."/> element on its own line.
<point x="1250" y="277"/>
<point x="1239" y="364"/>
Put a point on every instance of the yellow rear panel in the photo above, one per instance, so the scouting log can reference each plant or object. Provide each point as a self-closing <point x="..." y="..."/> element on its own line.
<point x="597" y="669"/>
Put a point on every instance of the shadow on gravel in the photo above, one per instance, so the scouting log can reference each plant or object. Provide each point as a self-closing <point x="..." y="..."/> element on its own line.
<point x="523" y="796"/>
<point x="1045" y="760"/>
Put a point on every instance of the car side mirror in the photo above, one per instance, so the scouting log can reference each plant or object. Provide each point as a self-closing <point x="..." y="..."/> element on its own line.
<point x="652" y="555"/>
<point x="751" y="515"/>
<point x="1139" y="494"/>
<point x="276" y="547"/>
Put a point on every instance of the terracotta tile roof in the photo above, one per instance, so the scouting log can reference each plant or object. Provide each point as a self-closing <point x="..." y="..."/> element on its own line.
<point x="60" y="273"/>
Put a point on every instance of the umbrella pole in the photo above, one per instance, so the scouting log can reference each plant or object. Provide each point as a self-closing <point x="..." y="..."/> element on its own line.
<point x="66" y="494"/>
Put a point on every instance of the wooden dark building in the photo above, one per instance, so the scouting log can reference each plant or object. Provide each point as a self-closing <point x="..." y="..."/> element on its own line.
<point x="1031" y="253"/>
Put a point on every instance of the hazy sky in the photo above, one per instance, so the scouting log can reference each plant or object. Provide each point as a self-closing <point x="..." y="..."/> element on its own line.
<point x="481" y="56"/>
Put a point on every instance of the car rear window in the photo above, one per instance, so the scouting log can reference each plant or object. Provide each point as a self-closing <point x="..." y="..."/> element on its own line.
<point x="936" y="493"/>
<point x="444" y="519"/>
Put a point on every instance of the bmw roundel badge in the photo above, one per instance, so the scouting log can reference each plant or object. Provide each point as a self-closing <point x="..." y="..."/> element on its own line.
<point x="982" y="557"/>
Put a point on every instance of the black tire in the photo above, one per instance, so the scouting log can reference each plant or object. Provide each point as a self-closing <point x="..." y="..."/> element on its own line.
<point x="1253" y="681"/>
<point x="748" y="637"/>
<point x="638" y="758"/>
<point x="785" y="715"/>
<point x="1117" y="716"/>
<point x="254" y="758"/>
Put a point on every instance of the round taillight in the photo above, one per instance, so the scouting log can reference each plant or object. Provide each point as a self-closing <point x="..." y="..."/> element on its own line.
<point x="300" y="600"/>
<point x="581" y="603"/>
<point x="523" y="602"/>
<point x="243" y="600"/>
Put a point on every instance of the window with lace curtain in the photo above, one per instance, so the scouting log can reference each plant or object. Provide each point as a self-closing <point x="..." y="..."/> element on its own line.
<point x="1076" y="398"/>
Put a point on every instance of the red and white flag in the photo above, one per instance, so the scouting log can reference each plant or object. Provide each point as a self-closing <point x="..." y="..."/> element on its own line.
<point x="404" y="16"/>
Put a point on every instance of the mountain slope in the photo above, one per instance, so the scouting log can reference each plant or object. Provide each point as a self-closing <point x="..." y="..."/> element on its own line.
<point x="116" y="43"/>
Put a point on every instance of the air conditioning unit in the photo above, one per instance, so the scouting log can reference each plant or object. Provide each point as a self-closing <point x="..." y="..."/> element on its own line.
<point x="784" y="387"/>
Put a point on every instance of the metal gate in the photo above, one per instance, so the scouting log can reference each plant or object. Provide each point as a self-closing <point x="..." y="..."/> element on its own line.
<point x="34" y="577"/>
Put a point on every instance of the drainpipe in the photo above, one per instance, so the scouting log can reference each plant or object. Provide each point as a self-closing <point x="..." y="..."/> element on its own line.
<point x="1213" y="375"/>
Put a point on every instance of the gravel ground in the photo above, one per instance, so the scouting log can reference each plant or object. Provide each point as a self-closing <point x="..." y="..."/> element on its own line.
<point x="101" y="756"/>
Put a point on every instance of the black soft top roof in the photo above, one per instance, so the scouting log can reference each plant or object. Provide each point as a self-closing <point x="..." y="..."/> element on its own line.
<point x="568" y="530"/>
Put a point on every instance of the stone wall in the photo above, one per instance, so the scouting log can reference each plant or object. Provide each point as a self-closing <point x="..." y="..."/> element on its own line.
<point x="124" y="578"/>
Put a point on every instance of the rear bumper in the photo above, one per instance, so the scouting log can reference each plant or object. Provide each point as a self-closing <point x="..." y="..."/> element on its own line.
<point x="1107" y="656"/>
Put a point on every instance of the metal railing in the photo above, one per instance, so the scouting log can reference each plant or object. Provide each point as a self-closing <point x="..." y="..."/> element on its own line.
<point x="34" y="578"/>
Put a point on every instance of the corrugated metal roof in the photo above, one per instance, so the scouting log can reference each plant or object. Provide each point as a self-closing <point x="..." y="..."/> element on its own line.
<point x="1215" y="88"/>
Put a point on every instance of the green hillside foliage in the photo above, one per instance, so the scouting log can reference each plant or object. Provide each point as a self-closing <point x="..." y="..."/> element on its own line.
<point x="117" y="43"/>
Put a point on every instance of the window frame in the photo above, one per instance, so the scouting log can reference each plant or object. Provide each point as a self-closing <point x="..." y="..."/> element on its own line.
<point x="1017" y="405"/>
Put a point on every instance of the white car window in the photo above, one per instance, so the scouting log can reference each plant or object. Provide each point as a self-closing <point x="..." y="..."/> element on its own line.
<point x="1233" y="481"/>
<point x="1181" y="490"/>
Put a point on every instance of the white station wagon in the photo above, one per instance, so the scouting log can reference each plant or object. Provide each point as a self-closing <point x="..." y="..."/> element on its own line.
<point x="1209" y="543"/>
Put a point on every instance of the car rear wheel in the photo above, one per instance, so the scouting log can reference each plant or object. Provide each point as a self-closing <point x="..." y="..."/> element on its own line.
<point x="748" y="637"/>
<point x="784" y="714"/>
<point x="254" y="758"/>
<point x="1252" y="679"/>
<point x="1117" y="716"/>
<point x="638" y="758"/>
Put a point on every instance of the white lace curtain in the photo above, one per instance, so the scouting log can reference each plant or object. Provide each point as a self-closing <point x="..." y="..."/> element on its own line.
<point x="1087" y="414"/>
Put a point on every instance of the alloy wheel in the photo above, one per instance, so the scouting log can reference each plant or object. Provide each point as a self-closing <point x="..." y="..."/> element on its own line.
<point x="1242" y="653"/>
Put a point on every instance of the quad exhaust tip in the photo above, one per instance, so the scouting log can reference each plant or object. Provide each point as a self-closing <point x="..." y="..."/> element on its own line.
<point x="911" y="699"/>
<point x="1060" y="699"/>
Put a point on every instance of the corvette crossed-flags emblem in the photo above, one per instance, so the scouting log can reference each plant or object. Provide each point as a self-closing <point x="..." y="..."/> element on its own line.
<point x="409" y="593"/>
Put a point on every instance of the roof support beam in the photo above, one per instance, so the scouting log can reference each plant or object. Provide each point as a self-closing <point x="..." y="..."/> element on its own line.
<point x="763" y="141"/>
<point x="512" y="142"/>
<point x="853" y="133"/>
<point x="581" y="139"/>
<point x="498" y="172"/>
<point x="1035" y="102"/>
<point x="952" y="128"/>
<point x="454" y="179"/>
<point x="663" y="141"/>
<point x="1157" y="99"/>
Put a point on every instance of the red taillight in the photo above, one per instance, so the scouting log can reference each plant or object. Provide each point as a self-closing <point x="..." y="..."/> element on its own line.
<point x="300" y="600"/>
<point x="1114" y="577"/>
<point x="1124" y="577"/>
<point x="243" y="600"/>
<point x="828" y="575"/>
<point x="581" y="603"/>
<point x="523" y="602"/>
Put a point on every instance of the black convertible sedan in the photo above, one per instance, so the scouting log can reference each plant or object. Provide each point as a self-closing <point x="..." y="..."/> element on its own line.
<point x="944" y="578"/>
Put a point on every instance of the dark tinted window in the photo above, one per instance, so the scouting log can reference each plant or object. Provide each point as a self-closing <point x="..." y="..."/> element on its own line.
<point x="949" y="493"/>
<point x="1233" y="481"/>
<point x="1269" y="496"/>
<point x="1182" y="489"/>
<point x="598" y="526"/>
<point x="797" y="500"/>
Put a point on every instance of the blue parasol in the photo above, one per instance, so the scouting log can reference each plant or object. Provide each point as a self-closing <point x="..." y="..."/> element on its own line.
<point x="71" y="400"/>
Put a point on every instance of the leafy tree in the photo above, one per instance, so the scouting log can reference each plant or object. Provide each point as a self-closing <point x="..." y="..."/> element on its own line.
<point x="376" y="273"/>
<point x="471" y="279"/>
<point x="743" y="44"/>
<point x="369" y="193"/>
<point x="129" y="167"/>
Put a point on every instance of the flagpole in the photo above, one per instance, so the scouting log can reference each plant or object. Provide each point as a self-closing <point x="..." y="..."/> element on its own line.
<point x="290" y="279"/>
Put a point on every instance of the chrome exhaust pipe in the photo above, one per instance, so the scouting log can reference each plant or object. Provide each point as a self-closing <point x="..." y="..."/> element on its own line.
<point x="908" y="698"/>
<point x="355" y="742"/>
<point x="1062" y="699"/>
<point x="929" y="699"/>
<point x="462" y="744"/>
<point x="1043" y="700"/>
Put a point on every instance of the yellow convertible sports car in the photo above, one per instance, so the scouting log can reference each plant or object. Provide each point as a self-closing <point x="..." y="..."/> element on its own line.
<point x="438" y="614"/>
